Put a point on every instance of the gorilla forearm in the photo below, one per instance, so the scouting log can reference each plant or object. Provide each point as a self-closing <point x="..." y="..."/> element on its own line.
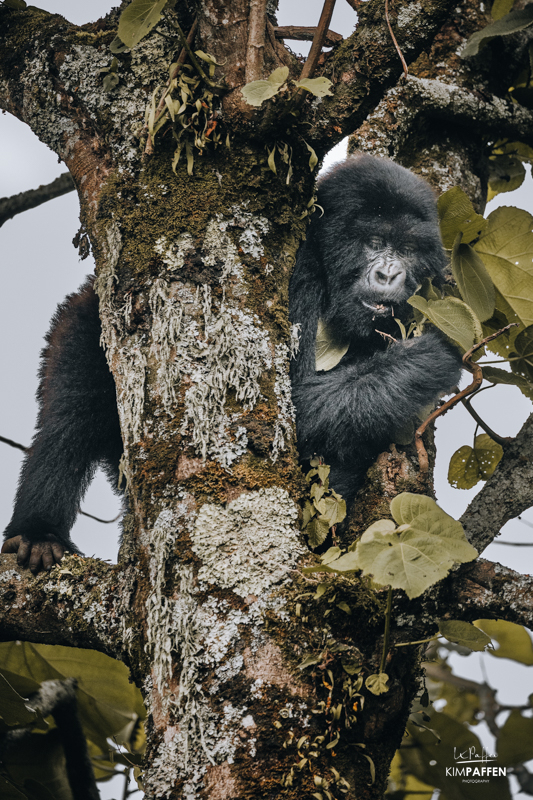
<point x="366" y="403"/>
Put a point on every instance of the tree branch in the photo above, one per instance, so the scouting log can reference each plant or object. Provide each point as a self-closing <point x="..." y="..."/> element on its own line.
<point x="17" y="203"/>
<point x="255" y="51"/>
<point x="506" y="494"/>
<point x="75" y="604"/>
<point x="318" y="40"/>
<point x="304" y="33"/>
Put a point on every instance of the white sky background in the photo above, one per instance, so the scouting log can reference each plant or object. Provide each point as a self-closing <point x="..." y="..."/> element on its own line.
<point x="41" y="266"/>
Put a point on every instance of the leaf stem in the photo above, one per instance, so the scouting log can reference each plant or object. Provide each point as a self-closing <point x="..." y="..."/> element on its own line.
<point x="386" y="634"/>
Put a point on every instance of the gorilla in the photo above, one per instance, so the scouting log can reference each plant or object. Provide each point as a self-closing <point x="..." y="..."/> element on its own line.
<point x="371" y="241"/>
<point x="376" y="239"/>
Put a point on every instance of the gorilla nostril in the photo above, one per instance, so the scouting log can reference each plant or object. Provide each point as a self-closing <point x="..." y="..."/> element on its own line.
<point x="381" y="277"/>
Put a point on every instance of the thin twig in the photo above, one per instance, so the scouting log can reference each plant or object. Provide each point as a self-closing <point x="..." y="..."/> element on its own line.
<point x="475" y="369"/>
<point x="386" y="335"/>
<point x="11" y="443"/>
<point x="304" y="33"/>
<point x="354" y="4"/>
<point x="10" y="206"/>
<point x="513" y="544"/>
<point x="316" y="48"/>
<point x="386" y="634"/>
<point x="103" y="521"/>
<point x="393" y="37"/>
<point x="255" y="48"/>
<point x="503" y="440"/>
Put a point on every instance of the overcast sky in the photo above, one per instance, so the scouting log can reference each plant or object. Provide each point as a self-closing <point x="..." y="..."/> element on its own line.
<point x="40" y="266"/>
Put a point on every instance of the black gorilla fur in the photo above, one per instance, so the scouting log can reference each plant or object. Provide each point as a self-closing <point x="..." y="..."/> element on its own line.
<point x="376" y="240"/>
<point x="77" y="429"/>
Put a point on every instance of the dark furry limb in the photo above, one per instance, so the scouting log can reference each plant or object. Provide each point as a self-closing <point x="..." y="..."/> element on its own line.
<point x="376" y="240"/>
<point x="78" y="428"/>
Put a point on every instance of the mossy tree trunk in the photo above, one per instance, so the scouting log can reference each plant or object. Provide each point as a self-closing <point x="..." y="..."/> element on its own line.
<point x="208" y="606"/>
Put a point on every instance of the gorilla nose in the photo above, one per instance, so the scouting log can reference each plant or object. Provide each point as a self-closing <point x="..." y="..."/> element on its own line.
<point x="390" y="275"/>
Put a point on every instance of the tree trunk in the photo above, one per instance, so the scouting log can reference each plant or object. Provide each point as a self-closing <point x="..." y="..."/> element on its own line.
<point x="208" y="605"/>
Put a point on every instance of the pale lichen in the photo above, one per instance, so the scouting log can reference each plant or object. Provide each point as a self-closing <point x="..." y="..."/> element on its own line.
<point x="250" y="545"/>
<point x="283" y="428"/>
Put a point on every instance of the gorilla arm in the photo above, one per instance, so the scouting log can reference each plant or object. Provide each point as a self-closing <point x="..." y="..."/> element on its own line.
<point x="362" y="403"/>
<point x="78" y="427"/>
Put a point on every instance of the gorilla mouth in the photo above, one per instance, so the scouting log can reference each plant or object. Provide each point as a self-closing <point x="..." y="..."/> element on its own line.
<point x="379" y="309"/>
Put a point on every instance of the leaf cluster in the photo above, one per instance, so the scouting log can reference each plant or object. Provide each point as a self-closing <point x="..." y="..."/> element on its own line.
<point x="257" y="92"/>
<point x="324" y="509"/>
<point x="109" y="706"/>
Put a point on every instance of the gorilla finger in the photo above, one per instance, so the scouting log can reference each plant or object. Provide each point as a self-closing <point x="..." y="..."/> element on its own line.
<point x="58" y="550"/>
<point x="36" y="557"/>
<point x="24" y="552"/>
<point x="11" y="545"/>
<point x="48" y="557"/>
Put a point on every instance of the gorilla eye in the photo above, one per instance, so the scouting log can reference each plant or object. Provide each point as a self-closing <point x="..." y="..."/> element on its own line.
<point x="376" y="243"/>
<point x="407" y="250"/>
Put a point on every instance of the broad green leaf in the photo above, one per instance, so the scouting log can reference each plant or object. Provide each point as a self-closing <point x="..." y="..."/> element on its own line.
<point x="279" y="76"/>
<point x="510" y="23"/>
<point x="464" y="634"/>
<point x="495" y="375"/>
<point x="523" y="151"/>
<point x="506" y="173"/>
<point x="500" y="8"/>
<point x="377" y="684"/>
<point x="310" y="660"/>
<point x="506" y="247"/>
<point x="317" y="530"/>
<point x="515" y="742"/>
<point x="457" y="215"/>
<point x="256" y="92"/>
<point x="523" y="344"/>
<point x="328" y="351"/>
<point x="453" y="317"/>
<point x="330" y="555"/>
<point x="463" y="470"/>
<point x="118" y="46"/>
<point x="346" y="563"/>
<point x="107" y="701"/>
<point x="406" y="786"/>
<point x="138" y="19"/>
<point x="473" y="280"/>
<point x="489" y="454"/>
<point x="14" y="709"/>
<point x="514" y="641"/>
<point x="320" y="87"/>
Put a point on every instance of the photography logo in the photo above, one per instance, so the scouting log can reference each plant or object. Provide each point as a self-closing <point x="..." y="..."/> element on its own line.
<point x="474" y="767"/>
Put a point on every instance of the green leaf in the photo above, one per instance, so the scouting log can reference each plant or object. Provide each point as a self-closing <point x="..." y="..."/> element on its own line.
<point x="510" y="23"/>
<point x="514" y="641"/>
<point x="489" y="454"/>
<point x="344" y="607"/>
<point x="317" y="531"/>
<point x="110" y="81"/>
<point x="500" y="8"/>
<point x="256" y="92"/>
<point x="138" y="19"/>
<point x="464" y="634"/>
<point x="457" y="215"/>
<point x="418" y="556"/>
<point x="377" y="684"/>
<point x="473" y="280"/>
<point x="469" y="465"/>
<point x="515" y="741"/>
<point x="328" y="351"/>
<point x="320" y="87"/>
<point x="310" y="660"/>
<point x="313" y="158"/>
<point x="453" y="317"/>
<point x="279" y="76"/>
<point x="495" y="375"/>
<point x="118" y="46"/>
<point x="14" y="709"/>
<point x="506" y="173"/>
<point x="330" y="555"/>
<point x="463" y="470"/>
<point x="506" y="247"/>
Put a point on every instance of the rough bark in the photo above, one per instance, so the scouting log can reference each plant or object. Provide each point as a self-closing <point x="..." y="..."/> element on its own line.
<point x="208" y="605"/>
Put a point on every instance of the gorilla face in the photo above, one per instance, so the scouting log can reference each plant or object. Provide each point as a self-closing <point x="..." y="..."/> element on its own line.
<point x="378" y="243"/>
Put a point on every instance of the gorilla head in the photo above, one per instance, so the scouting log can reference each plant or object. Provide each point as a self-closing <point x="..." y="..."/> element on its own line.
<point x="376" y="240"/>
